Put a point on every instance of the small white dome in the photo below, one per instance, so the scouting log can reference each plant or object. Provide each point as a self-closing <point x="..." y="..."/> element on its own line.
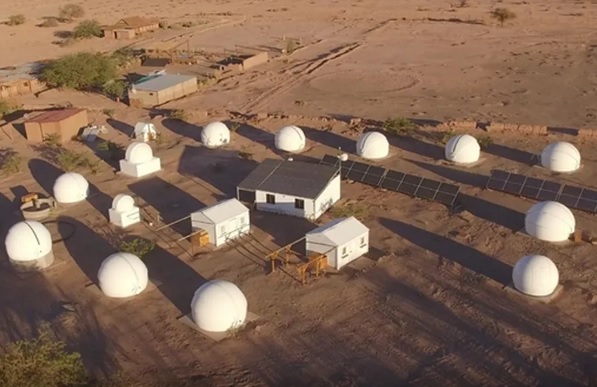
<point x="70" y="187"/>
<point x="549" y="221"/>
<point x="218" y="306"/>
<point x="28" y="241"/>
<point x="373" y="145"/>
<point x="561" y="157"/>
<point x="122" y="275"/>
<point x="535" y="275"/>
<point x="138" y="153"/>
<point x="290" y="139"/>
<point x="215" y="135"/>
<point x="123" y="203"/>
<point x="463" y="149"/>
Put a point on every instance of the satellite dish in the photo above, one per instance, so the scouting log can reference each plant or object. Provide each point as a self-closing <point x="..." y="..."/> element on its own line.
<point x="343" y="157"/>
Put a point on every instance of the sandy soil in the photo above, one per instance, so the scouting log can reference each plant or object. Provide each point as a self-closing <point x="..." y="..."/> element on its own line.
<point x="427" y="306"/>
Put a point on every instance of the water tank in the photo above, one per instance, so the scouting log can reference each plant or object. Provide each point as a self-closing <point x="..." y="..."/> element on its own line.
<point x="550" y="221"/>
<point x="218" y="306"/>
<point x="290" y="139"/>
<point x="123" y="203"/>
<point x="138" y="153"/>
<point x="28" y="241"/>
<point x="561" y="157"/>
<point x="463" y="149"/>
<point x="215" y="134"/>
<point x="373" y="145"/>
<point x="122" y="275"/>
<point x="70" y="188"/>
<point x="535" y="275"/>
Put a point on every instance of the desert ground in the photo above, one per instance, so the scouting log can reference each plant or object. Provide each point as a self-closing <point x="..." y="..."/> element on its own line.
<point x="428" y="305"/>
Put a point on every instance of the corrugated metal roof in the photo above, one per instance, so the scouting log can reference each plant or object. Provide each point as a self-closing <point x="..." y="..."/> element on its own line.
<point x="294" y="178"/>
<point x="223" y="211"/>
<point x="55" y="115"/>
<point x="163" y="81"/>
<point x="340" y="231"/>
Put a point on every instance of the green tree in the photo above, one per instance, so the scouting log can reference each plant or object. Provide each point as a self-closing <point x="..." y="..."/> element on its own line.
<point x="502" y="15"/>
<point x="43" y="361"/>
<point x="87" y="29"/>
<point x="115" y="89"/>
<point x="80" y="71"/>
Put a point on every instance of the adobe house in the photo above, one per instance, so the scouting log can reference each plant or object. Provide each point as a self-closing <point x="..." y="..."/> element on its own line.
<point x="130" y="27"/>
<point x="66" y="123"/>
<point x="157" y="89"/>
<point x="20" y="80"/>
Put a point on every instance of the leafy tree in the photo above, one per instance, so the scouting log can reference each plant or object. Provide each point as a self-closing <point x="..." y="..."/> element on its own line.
<point x="115" y="89"/>
<point x="502" y="15"/>
<point x="43" y="361"/>
<point x="399" y="125"/>
<point x="71" y="11"/>
<point x="80" y="71"/>
<point x="87" y="29"/>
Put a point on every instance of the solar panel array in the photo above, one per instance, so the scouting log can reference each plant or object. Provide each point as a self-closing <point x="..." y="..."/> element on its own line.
<point x="392" y="180"/>
<point x="579" y="198"/>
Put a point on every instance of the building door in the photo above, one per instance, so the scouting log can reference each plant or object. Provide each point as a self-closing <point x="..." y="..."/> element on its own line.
<point x="246" y="196"/>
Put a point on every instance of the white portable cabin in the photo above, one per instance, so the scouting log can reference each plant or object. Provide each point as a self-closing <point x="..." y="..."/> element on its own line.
<point x="144" y="131"/>
<point x="342" y="240"/>
<point x="223" y="221"/>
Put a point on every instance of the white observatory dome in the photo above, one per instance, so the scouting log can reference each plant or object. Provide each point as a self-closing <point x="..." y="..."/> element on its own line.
<point x="123" y="203"/>
<point x="215" y="135"/>
<point x="561" y="157"/>
<point x="290" y="139"/>
<point x="70" y="187"/>
<point x="122" y="275"/>
<point x="535" y="275"/>
<point x="218" y="306"/>
<point x="28" y="241"/>
<point x="138" y="153"/>
<point x="373" y="145"/>
<point x="549" y="221"/>
<point x="463" y="149"/>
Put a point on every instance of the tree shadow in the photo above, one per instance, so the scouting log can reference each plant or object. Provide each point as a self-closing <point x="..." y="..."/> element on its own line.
<point x="122" y="127"/>
<point x="466" y="256"/>
<point x="63" y="34"/>
<point x="45" y="174"/>
<point x="86" y="247"/>
<point x="183" y="128"/>
<point x="175" y="279"/>
<point x="330" y="139"/>
<point x="224" y="169"/>
<point x="456" y="175"/>
<point x="512" y="154"/>
<point x="169" y="201"/>
<point x="495" y="213"/>
<point x="411" y="144"/>
<point x="108" y="151"/>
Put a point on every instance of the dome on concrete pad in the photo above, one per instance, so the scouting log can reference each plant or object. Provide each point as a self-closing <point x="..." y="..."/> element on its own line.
<point x="561" y="157"/>
<point x="463" y="149"/>
<point x="373" y="145"/>
<point x="550" y="221"/>
<point x="535" y="275"/>
<point x="70" y="188"/>
<point x="28" y="241"/>
<point x="138" y="153"/>
<point x="290" y="139"/>
<point x="122" y="275"/>
<point x="215" y="134"/>
<point x="123" y="203"/>
<point x="218" y="306"/>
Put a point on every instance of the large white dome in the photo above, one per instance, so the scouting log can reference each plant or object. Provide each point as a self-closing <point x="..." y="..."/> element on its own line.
<point x="70" y="187"/>
<point x="28" y="241"/>
<point x="290" y="139"/>
<point x="463" y="149"/>
<point x="549" y="221"/>
<point x="122" y="275"/>
<point x="218" y="306"/>
<point x="535" y="275"/>
<point x="561" y="157"/>
<point x="123" y="203"/>
<point x="215" y="135"/>
<point x="138" y="153"/>
<point x="373" y="145"/>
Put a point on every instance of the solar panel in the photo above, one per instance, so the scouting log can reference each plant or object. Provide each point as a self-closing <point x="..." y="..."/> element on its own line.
<point x="522" y="185"/>
<point x="447" y="194"/>
<point x="329" y="160"/>
<point x="410" y="184"/>
<point x="374" y="176"/>
<point x="392" y="180"/>
<point x="497" y="180"/>
<point x="579" y="198"/>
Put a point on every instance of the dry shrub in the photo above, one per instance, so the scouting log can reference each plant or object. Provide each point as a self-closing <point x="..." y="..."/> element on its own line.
<point x="138" y="246"/>
<point x="399" y="125"/>
<point x="16" y="20"/>
<point x="70" y="12"/>
<point x="50" y="22"/>
<point x="10" y="161"/>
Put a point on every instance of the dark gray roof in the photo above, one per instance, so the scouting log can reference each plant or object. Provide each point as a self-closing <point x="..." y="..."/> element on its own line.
<point x="294" y="178"/>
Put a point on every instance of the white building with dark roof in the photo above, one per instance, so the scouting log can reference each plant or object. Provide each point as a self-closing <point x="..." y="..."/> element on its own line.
<point x="292" y="188"/>
<point x="223" y="221"/>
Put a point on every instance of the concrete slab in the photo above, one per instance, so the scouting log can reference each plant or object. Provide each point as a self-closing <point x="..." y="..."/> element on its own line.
<point x="216" y="336"/>
<point x="544" y="300"/>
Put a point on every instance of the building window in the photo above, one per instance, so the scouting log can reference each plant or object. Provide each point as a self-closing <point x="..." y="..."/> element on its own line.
<point x="363" y="243"/>
<point x="270" y="199"/>
<point x="299" y="203"/>
<point x="344" y="253"/>
<point x="150" y="93"/>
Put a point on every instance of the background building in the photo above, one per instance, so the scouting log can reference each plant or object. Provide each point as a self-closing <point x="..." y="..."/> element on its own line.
<point x="160" y="88"/>
<point x="65" y="123"/>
